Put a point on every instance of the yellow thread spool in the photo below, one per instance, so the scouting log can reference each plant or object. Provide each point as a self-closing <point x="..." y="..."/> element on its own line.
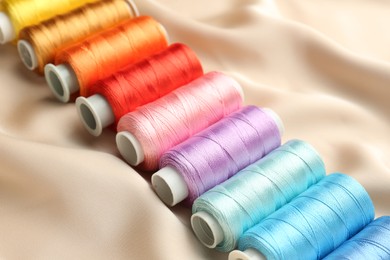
<point x="18" y="14"/>
<point x="38" y="44"/>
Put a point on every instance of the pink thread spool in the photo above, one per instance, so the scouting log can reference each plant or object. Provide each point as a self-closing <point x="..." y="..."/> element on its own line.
<point x="146" y="133"/>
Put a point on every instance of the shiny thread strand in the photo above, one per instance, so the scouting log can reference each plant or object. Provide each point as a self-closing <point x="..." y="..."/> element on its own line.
<point x="314" y="223"/>
<point x="373" y="243"/>
<point x="149" y="79"/>
<point x="220" y="151"/>
<point x="260" y="189"/>
<point x="48" y="37"/>
<point x="104" y="53"/>
<point x="24" y="13"/>
<point x="170" y="120"/>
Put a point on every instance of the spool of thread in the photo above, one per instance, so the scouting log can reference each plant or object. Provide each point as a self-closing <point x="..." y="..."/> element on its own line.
<point x="18" y="14"/>
<point x="98" y="56"/>
<point x="214" y="155"/>
<point x="224" y="213"/>
<point x="313" y="224"/>
<point x="373" y="243"/>
<point x="149" y="131"/>
<point x="38" y="44"/>
<point x="137" y="85"/>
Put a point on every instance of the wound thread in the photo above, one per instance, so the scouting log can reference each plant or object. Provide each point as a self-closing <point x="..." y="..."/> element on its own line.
<point x="373" y="243"/>
<point x="168" y="121"/>
<point x="149" y="79"/>
<point x="108" y="51"/>
<point x="220" y="151"/>
<point x="48" y="37"/>
<point x="25" y="13"/>
<point x="255" y="192"/>
<point x="314" y="223"/>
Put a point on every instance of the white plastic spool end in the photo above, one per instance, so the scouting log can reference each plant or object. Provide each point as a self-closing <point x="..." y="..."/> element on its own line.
<point x="170" y="186"/>
<point x="130" y="148"/>
<point x="276" y="119"/>
<point x="133" y="8"/>
<point x="7" y="31"/>
<point x="207" y="229"/>
<point x="164" y="30"/>
<point x="248" y="254"/>
<point x="240" y="90"/>
<point x="62" y="81"/>
<point x="27" y="54"/>
<point x="95" y="113"/>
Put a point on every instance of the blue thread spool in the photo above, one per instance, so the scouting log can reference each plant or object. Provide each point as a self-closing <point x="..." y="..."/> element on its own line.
<point x="373" y="243"/>
<point x="313" y="224"/>
<point x="224" y="213"/>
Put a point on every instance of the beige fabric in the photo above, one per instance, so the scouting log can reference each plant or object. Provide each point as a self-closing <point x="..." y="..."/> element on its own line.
<point x="323" y="66"/>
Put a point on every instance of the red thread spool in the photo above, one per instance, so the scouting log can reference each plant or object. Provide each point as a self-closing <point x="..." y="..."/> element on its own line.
<point x="82" y="64"/>
<point x="137" y="85"/>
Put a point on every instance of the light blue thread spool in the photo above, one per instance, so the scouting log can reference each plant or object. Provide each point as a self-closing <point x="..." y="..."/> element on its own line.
<point x="372" y="243"/>
<point x="313" y="224"/>
<point x="225" y="212"/>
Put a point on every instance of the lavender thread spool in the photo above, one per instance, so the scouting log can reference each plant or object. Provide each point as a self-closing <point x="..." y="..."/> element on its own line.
<point x="216" y="154"/>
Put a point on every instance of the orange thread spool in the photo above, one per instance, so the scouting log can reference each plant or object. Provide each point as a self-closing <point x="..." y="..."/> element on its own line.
<point x="137" y="85"/>
<point x="38" y="44"/>
<point x="104" y="53"/>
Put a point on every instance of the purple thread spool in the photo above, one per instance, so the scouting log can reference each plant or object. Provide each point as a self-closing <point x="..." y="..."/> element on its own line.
<point x="216" y="154"/>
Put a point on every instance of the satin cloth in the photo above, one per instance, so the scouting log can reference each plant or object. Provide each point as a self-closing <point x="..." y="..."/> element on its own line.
<point x="323" y="66"/>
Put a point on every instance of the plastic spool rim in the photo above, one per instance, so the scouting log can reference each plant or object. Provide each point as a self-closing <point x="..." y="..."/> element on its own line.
<point x="2" y="40"/>
<point x="207" y="229"/>
<point x="133" y="7"/>
<point x="240" y="91"/>
<point x="130" y="148"/>
<point x="62" y="81"/>
<point x="278" y="121"/>
<point x="95" y="113"/>
<point x="7" y="31"/>
<point x="248" y="254"/>
<point x="170" y="186"/>
<point x="27" y="54"/>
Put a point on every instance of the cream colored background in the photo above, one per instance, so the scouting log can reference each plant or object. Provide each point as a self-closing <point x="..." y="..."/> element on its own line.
<point x="322" y="65"/>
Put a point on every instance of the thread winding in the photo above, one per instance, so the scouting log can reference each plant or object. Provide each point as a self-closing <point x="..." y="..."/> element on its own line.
<point x="314" y="223"/>
<point x="149" y="79"/>
<point x="373" y="243"/>
<point x="104" y="53"/>
<point x="220" y="151"/>
<point x="260" y="189"/>
<point x="25" y="13"/>
<point x="48" y="37"/>
<point x="168" y="121"/>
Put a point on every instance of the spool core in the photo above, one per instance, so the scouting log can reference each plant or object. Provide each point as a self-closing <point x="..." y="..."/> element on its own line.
<point x="95" y="113"/>
<point x="7" y="31"/>
<point x="62" y="81"/>
<point x="164" y="180"/>
<point x="207" y="229"/>
<point x="27" y="54"/>
<point x="130" y="148"/>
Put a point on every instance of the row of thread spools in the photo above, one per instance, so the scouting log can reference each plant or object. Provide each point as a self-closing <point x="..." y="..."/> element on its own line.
<point x="218" y="156"/>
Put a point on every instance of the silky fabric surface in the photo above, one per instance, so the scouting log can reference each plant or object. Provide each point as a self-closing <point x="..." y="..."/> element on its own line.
<point x="323" y="66"/>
